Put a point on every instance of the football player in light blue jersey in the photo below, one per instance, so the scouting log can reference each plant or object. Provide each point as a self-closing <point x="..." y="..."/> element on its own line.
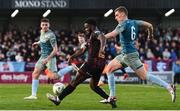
<point x="47" y="59"/>
<point x="127" y="30"/>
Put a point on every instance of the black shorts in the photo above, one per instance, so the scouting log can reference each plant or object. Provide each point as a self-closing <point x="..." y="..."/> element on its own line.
<point x="93" y="66"/>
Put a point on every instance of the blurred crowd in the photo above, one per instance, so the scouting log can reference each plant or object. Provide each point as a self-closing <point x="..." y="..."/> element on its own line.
<point x="16" y="45"/>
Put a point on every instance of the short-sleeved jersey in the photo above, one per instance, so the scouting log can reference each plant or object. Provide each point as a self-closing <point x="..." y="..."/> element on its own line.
<point x="47" y="42"/>
<point x="94" y="64"/>
<point x="128" y="32"/>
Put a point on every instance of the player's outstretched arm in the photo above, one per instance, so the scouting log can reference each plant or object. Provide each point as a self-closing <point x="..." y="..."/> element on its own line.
<point x="36" y="43"/>
<point x="102" y="39"/>
<point x="149" y="28"/>
<point x="77" y="52"/>
<point x="111" y="34"/>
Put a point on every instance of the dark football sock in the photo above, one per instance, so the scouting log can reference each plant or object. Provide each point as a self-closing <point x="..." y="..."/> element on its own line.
<point x="68" y="90"/>
<point x="99" y="91"/>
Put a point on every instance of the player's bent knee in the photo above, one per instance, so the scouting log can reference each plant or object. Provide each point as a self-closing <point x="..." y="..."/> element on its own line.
<point x="93" y="87"/>
<point x="56" y="76"/>
<point x="109" y="70"/>
<point x="35" y="75"/>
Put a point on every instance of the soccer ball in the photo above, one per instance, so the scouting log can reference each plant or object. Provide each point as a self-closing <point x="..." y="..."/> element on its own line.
<point x="58" y="88"/>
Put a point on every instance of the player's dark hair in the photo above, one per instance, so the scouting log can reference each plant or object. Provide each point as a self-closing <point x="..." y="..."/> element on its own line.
<point x="122" y="9"/>
<point x="91" y="22"/>
<point x="45" y="20"/>
<point x="80" y="32"/>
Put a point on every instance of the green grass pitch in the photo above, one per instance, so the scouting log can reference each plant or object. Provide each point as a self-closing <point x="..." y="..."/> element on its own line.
<point x="130" y="97"/>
